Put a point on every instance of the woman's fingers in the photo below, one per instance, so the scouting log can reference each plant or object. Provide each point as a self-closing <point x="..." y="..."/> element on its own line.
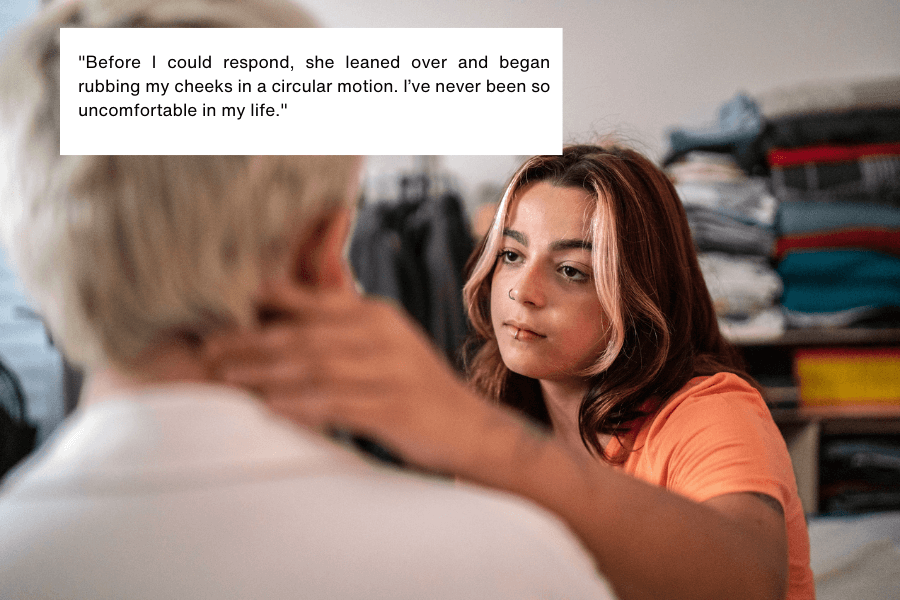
<point x="300" y="345"/>
<point x="335" y="360"/>
<point x="283" y="296"/>
<point x="295" y="340"/>
<point x="300" y="358"/>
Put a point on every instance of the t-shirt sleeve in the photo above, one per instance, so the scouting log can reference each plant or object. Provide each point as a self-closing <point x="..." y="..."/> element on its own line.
<point x="721" y="440"/>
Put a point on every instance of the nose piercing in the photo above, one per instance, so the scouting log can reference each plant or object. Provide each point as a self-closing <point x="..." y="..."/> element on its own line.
<point x="510" y="296"/>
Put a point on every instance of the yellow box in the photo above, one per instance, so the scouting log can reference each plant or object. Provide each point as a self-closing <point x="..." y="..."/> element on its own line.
<point x="835" y="376"/>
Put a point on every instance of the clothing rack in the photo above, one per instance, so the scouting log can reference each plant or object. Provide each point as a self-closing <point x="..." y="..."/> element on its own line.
<point x="425" y="180"/>
<point x="411" y="244"/>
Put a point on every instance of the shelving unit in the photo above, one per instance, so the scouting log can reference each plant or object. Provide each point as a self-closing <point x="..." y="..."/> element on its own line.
<point x="771" y="361"/>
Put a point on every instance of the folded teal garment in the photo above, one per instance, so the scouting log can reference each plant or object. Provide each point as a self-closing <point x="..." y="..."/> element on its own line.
<point x="832" y="297"/>
<point x="806" y="217"/>
<point x="840" y="267"/>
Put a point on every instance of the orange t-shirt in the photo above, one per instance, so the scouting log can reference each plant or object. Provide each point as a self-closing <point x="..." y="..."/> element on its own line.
<point x="716" y="436"/>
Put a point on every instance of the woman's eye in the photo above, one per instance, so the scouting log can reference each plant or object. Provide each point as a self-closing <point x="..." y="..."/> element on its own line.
<point x="508" y="256"/>
<point x="572" y="273"/>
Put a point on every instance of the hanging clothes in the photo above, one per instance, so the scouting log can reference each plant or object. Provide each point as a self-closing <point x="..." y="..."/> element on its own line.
<point x="17" y="435"/>
<point x="414" y="250"/>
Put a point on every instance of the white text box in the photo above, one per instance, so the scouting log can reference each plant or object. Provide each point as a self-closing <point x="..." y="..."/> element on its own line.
<point x="311" y="91"/>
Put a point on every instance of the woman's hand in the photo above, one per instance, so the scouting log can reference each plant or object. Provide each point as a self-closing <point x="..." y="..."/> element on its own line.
<point x="336" y="360"/>
<point x="333" y="359"/>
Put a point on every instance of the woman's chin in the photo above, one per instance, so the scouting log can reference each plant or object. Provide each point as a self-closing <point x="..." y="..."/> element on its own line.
<point x="525" y="367"/>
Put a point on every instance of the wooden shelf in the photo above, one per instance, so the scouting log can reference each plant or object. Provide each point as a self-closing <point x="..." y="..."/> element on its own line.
<point x="843" y="420"/>
<point x="781" y="395"/>
<point x="849" y="336"/>
<point x="804" y="427"/>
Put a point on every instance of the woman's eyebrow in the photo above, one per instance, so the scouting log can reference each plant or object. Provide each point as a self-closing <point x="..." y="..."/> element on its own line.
<point x="571" y="244"/>
<point x="516" y="235"/>
<point x="565" y="244"/>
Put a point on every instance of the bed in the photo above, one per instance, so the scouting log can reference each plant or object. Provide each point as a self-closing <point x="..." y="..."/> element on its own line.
<point x="856" y="557"/>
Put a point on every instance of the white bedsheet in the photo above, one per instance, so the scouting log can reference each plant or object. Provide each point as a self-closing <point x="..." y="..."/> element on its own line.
<point x="856" y="557"/>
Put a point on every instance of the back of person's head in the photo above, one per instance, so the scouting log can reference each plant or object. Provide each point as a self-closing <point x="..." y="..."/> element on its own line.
<point x="121" y="250"/>
<point x="663" y="328"/>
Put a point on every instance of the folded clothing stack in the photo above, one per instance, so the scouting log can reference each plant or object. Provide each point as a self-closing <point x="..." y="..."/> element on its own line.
<point x="734" y="132"/>
<point x="833" y="141"/>
<point x="839" y="261"/>
<point x="837" y="173"/>
<point x="830" y="154"/>
<point x="731" y="217"/>
<point x="833" y="151"/>
<point x="860" y="474"/>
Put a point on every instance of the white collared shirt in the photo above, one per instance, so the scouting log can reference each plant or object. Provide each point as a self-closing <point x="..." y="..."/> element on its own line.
<point x="196" y="491"/>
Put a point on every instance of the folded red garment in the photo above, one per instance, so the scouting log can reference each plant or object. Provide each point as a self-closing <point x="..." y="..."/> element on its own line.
<point x="880" y="239"/>
<point x="783" y="157"/>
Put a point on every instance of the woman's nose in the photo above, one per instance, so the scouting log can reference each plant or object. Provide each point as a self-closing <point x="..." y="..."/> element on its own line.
<point x="528" y="289"/>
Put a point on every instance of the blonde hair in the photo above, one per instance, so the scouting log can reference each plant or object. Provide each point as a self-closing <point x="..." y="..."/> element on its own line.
<point x="120" y="250"/>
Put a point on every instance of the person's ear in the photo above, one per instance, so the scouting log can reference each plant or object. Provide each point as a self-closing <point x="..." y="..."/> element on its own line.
<point x="318" y="256"/>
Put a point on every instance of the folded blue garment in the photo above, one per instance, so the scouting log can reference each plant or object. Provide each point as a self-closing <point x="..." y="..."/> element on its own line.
<point x="840" y="267"/>
<point x="830" y="298"/>
<point x="805" y="217"/>
<point x="739" y="123"/>
<point x="837" y="280"/>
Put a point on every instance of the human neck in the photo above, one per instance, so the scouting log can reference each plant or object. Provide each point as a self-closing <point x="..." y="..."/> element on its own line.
<point x="171" y="361"/>
<point x="563" y="400"/>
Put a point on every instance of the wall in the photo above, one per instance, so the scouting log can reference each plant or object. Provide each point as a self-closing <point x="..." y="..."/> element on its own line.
<point x="644" y="66"/>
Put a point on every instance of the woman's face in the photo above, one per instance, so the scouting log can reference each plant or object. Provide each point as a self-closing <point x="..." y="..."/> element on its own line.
<point x="544" y="306"/>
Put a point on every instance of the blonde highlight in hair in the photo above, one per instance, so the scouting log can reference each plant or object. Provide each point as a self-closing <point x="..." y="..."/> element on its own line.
<point x="119" y="251"/>
<point x="663" y="328"/>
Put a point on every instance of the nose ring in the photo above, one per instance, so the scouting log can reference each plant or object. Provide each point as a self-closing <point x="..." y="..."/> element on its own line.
<point x="510" y="295"/>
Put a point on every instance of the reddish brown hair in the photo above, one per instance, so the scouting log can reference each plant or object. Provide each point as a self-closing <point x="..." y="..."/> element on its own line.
<point x="663" y="329"/>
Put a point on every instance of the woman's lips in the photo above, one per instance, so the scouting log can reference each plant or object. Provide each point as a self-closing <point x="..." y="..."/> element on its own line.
<point x="522" y="334"/>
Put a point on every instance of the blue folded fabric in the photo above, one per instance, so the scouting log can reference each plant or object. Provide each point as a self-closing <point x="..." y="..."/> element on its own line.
<point x="830" y="298"/>
<point x="838" y="280"/>
<point x="738" y="125"/>
<point x="840" y="267"/>
<point x="806" y="217"/>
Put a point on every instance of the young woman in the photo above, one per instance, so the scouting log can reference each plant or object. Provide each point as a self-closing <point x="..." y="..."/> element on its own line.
<point x="590" y="316"/>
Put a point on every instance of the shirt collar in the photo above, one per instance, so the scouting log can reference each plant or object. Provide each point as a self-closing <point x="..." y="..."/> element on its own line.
<point x="176" y="435"/>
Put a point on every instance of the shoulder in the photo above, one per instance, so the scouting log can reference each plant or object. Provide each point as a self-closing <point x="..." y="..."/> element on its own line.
<point x="712" y="407"/>
<point x="712" y="385"/>
<point x="715" y="436"/>
<point x="528" y="547"/>
<point x="711" y="399"/>
<point x="478" y="516"/>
